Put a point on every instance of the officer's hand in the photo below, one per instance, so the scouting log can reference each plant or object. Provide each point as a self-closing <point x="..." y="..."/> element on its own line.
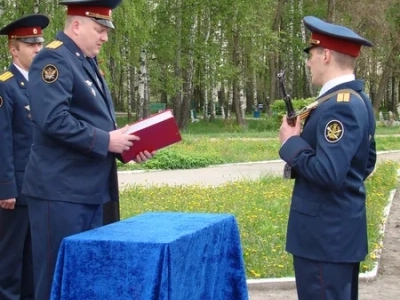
<point x="8" y="203"/>
<point x="143" y="156"/>
<point x="120" y="141"/>
<point x="286" y="131"/>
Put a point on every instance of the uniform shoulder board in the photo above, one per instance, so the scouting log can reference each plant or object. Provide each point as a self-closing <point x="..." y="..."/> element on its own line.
<point x="343" y="97"/>
<point x="5" y="76"/>
<point x="54" y="44"/>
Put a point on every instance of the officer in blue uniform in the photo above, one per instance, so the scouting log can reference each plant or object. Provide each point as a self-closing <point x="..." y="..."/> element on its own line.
<point x="24" y="42"/>
<point x="71" y="171"/>
<point x="331" y="157"/>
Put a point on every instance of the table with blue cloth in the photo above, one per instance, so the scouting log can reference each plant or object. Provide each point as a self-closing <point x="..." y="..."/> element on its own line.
<point x="160" y="255"/>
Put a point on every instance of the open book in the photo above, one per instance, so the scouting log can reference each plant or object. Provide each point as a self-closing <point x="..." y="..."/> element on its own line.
<point x="155" y="132"/>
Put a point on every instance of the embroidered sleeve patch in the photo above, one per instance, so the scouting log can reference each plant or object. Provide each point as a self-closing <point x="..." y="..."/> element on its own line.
<point x="50" y="73"/>
<point x="334" y="131"/>
<point x="1" y="101"/>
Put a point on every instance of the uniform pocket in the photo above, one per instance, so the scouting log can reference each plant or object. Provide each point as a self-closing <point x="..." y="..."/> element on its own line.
<point x="306" y="207"/>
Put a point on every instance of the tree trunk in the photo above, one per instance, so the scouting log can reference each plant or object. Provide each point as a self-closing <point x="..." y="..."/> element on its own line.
<point x="187" y="96"/>
<point x="255" y="96"/>
<point x="188" y="82"/>
<point x="330" y="14"/>
<point x="386" y="73"/>
<point x="393" y="94"/>
<point x="230" y="101"/>
<point x="383" y="83"/>
<point x="273" y="61"/>
<point x="178" y="98"/>
<point x="142" y="85"/>
<point x="205" y="101"/>
<point x="214" y="101"/>
<point x="132" y="88"/>
<point x="236" y="80"/>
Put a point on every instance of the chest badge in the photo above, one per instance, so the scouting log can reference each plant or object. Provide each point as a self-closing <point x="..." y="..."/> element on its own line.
<point x="27" y="107"/>
<point x="1" y="101"/>
<point x="90" y="84"/>
<point x="334" y="131"/>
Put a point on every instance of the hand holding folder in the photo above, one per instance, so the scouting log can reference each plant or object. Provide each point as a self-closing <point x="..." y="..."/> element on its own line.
<point x="155" y="132"/>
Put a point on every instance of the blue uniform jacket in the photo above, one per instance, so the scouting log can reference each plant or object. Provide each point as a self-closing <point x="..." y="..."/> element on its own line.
<point x="333" y="156"/>
<point x="15" y="133"/>
<point x="72" y="115"/>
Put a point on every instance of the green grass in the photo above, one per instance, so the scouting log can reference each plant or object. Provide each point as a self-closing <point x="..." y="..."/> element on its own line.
<point x="223" y="141"/>
<point x="379" y="187"/>
<point x="387" y="130"/>
<point x="200" y="151"/>
<point x="261" y="208"/>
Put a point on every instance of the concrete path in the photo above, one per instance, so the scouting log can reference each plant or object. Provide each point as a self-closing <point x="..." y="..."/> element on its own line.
<point x="268" y="289"/>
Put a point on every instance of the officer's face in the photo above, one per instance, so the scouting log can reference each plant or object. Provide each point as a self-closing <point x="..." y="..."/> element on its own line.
<point x="92" y="36"/>
<point x="23" y="53"/>
<point x="315" y="63"/>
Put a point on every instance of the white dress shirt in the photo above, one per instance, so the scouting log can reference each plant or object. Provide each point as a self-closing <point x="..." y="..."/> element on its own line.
<point x="336" y="81"/>
<point x="23" y="72"/>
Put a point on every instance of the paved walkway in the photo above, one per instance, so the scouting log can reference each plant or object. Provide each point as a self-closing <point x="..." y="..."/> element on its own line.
<point x="273" y="289"/>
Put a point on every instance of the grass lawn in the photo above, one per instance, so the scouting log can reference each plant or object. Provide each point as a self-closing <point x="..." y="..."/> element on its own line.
<point x="261" y="209"/>
<point x="200" y="151"/>
<point x="218" y="142"/>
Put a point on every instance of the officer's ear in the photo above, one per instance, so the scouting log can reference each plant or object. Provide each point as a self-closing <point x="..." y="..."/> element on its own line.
<point x="327" y="55"/>
<point x="13" y="46"/>
<point x="74" y="23"/>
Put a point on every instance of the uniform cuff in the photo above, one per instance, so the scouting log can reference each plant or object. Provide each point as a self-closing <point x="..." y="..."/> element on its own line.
<point x="291" y="147"/>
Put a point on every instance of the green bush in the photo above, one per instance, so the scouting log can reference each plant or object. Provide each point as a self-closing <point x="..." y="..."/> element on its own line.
<point x="279" y="110"/>
<point x="170" y="160"/>
<point x="265" y="123"/>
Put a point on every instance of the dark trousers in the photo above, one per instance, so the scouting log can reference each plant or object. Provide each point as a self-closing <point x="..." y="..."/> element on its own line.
<point x="16" y="272"/>
<point x="51" y="221"/>
<point x="316" y="280"/>
<point x="111" y="212"/>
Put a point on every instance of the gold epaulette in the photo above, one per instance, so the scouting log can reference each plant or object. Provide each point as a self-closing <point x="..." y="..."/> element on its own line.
<point x="54" y="44"/>
<point x="5" y="76"/>
<point x="343" y="97"/>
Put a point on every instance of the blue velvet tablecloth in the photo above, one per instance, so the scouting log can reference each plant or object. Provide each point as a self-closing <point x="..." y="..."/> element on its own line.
<point x="158" y="255"/>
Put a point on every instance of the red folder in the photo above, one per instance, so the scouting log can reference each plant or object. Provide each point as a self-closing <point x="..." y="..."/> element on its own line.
<point x="155" y="132"/>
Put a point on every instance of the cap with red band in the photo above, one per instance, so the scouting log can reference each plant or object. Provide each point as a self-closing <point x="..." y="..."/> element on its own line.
<point x="99" y="10"/>
<point x="25" y="32"/>
<point x="334" y="37"/>
<point x="27" y="29"/>
<point x="94" y="12"/>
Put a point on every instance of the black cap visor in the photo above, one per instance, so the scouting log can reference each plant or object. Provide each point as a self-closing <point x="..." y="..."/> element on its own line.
<point x="307" y="50"/>
<point x="31" y="40"/>
<point x="106" y="23"/>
